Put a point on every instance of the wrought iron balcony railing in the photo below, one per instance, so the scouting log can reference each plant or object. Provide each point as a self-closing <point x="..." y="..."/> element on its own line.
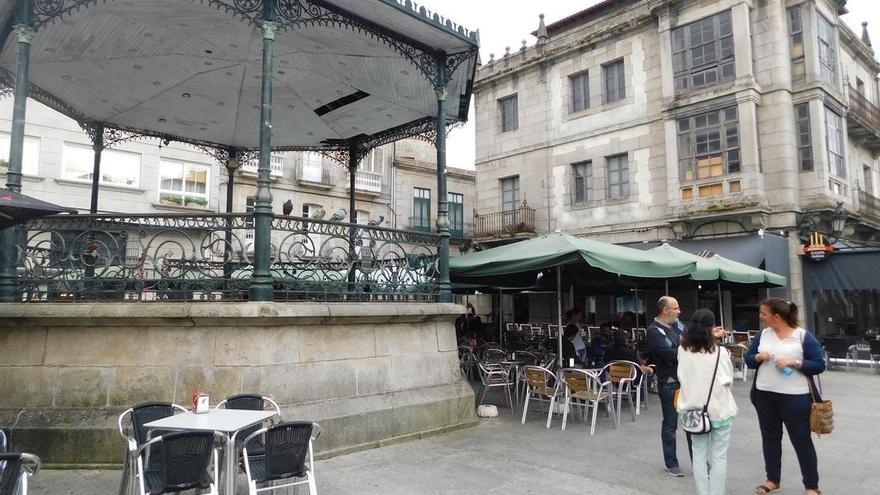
<point x="863" y="119"/>
<point x="869" y="206"/>
<point x="322" y="175"/>
<point x="505" y="223"/>
<point x="210" y="257"/>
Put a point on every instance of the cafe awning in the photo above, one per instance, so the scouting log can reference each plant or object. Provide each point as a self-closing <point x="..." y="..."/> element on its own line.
<point x="720" y="269"/>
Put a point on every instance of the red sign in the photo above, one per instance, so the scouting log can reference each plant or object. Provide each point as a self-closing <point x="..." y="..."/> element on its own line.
<point x="817" y="249"/>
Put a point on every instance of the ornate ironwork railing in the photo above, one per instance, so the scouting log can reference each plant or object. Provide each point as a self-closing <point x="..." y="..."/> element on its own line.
<point x="210" y="257"/>
<point x="505" y="223"/>
<point x="862" y="108"/>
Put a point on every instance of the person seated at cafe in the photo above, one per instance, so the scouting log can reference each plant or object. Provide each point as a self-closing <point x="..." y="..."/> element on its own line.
<point x="573" y="316"/>
<point x="469" y="325"/>
<point x="622" y="350"/>
<point x="601" y="344"/>
<point x="569" y="354"/>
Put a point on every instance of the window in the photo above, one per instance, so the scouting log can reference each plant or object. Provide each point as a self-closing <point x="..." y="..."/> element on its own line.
<point x="834" y="138"/>
<point x="510" y="193"/>
<point x="30" y="156"/>
<point x="615" y="81"/>
<point x="827" y="52"/>
<point x="804" y="142"/>
<point x="421" y="209"/>
<point x="796" y="32"/>
<point x="374" y="161"/>
<point x="117" y="167"/>
<point x="618" y="176"/>
<point x="702" y="53"/>
<point x="509" y="119"/>
<point x="361" y="217"/>
<point x="582" y="188"/>
<point x="456" y="214"/>
<point x="312" y="211"/>
<point x="708" y="145"/>
<point x="580" y="91"/>
<point x="182" y="183"/>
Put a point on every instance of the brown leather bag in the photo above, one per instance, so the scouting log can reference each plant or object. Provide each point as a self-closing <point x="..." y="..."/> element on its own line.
<point x="821" y="413"/>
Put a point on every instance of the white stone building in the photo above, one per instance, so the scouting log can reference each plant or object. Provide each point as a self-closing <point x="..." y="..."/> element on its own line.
<point x="705" y="121"/>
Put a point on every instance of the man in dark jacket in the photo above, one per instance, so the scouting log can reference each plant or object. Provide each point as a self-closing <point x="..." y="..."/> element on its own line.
<point x="664" y="337"/>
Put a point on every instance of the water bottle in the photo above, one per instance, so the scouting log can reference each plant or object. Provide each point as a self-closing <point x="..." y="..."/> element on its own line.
<point x="786" y="371"/>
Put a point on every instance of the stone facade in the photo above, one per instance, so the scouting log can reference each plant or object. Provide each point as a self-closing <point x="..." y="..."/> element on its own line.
<point x="369" y="373"/>
<point x="762" y="185"/>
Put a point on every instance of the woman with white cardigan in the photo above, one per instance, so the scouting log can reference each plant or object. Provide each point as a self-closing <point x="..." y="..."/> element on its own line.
<point x="696" y="364"/>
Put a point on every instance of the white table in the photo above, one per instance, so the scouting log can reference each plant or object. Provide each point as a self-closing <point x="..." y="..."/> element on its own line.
<point x="226" y="421"/>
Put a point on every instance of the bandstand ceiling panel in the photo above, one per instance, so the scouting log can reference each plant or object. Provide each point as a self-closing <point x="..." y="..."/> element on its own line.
<point x="192" y="68"/>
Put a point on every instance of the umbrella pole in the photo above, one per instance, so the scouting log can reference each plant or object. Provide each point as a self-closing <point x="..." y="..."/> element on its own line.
<point x="500" y="323"/>
<point x="667" y="286"/>
<point x="559" y="313"/>
<point x="720" y="306"/>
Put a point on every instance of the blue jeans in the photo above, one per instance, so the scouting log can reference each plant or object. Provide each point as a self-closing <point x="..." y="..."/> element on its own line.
<point x="793" y="411"/>
<point x="710" y="450"/>
<point x="669" y="426"/>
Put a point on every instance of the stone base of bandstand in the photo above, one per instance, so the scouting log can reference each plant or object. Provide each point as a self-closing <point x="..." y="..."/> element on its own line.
<point x="369" y="373"/>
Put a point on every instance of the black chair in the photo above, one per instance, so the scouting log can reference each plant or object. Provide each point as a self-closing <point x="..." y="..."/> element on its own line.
<point x="874" y="344"/>
<point x="250" y="402"/>
<point x="138" y="416"/>
<point x="184" y="463"/>
<point x="16" y="469"/>
<point x="836" y="347"/>
<point x="4" y="441"/>
<point x="288" y="447"/>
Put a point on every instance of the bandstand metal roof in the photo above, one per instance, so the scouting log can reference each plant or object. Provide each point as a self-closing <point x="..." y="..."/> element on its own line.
<point x="190" y="70"/>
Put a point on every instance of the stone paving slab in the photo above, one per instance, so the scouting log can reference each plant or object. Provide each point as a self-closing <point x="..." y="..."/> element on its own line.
<point x="502" y="456"/>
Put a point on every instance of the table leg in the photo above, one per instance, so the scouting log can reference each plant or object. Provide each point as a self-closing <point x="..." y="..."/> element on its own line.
<point x="230" y="465"/>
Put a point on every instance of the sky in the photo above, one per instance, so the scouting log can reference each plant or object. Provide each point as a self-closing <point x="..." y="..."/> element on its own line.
<point x="504" y="23"/>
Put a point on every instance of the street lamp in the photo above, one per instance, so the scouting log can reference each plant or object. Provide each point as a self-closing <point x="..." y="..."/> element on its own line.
<point x="838" y="220"/>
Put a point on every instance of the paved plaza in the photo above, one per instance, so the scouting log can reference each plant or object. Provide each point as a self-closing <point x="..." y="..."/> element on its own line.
<point x="502" y="456"/>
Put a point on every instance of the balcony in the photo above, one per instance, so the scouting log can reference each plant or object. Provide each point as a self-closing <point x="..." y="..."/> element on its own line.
<point x="276" y="162"/>
<point x="863" y="121"/>
<point x="505" y="224"/>
<point x="368" y="182"/>
<point x="869" y="206"/>
<point x="316" y="175"/>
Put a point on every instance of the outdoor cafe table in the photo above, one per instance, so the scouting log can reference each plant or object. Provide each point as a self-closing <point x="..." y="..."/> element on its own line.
<point x="226" y="421"/>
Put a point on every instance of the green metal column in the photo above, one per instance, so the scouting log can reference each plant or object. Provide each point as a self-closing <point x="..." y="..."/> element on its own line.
<point x="232" y="164"/>
<point x="8" y="237"/>
<point x="353" y="156"/>
<point x="442" y="201"/>
<point x="261" y="283"/>
<point x="98" y="147"/>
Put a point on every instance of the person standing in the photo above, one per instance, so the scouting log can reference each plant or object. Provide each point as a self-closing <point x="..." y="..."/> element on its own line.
<point x="786" y="357"/>
<point x="698" y="357"/>
<point x="664" y="337"/>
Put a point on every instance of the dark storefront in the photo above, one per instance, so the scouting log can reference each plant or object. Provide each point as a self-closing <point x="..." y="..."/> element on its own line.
<point x="842" y="293"/>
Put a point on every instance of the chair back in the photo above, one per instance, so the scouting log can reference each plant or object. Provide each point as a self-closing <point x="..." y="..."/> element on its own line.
<point x="740" y="337"/>
<point x="553" y="331"/>
<point x="525" y="328"/>
<point x="619" y="371"/>
<point x="641" y="334"/>
<point x="512" y="327"/>
<point x="582" y="383"/>
<point x="147" y="412"/>
<point x="836" y="346"/>
<point x="874" y="345"/>
<point x="494" y="355"/>
<point x="288" y="445"/>
<point x="4" y="441"/>
<point x="249" y="402"/>
<point x="526" y="357"/>
<point x="184" y="462"/>
<point x="539" y="379"/>
<point x="12" y="466"/>
<point x="737" y="352"/>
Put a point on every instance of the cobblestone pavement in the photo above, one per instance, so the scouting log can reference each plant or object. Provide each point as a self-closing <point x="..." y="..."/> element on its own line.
<point x="502" y="456"/>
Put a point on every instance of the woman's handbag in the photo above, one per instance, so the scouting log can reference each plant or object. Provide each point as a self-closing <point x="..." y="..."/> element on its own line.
<point x="821" y="411"/>
<point x="696" y="421"/>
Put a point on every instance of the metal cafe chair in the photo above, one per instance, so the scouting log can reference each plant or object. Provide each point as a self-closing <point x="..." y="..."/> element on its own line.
<point x="288" y="445"/>
<point x="738" y="358"/>
<point x="250" y="402"/>
<point x="740" y="338"/>
<point x="137" y="417"/>
<point x="16" y="470"/>
<point x="494" y="376"/>
<point x="621" y="375"/>
<point x="874" y="346"/>
<point x="836" y="347"/>
<point x="589" y="390"/>
<point x="543" y="385"/>
<point x="184" y="463"/>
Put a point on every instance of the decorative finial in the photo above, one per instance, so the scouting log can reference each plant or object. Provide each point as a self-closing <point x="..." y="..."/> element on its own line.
<point x="542" y="30"/>
<point x="522" y="49"/>
<point x="865" y="38"/>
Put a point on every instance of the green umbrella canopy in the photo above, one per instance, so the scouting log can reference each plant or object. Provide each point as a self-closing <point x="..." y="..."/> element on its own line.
<point x="559" y="249"/>
<point x="719" y="268"/>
